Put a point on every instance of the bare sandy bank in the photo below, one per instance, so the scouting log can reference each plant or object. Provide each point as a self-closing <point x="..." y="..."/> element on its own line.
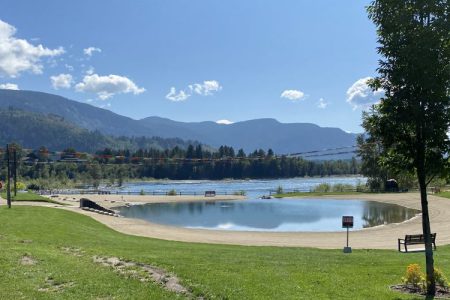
<point x="111" y="201"/>
<point x="381" y="237"/>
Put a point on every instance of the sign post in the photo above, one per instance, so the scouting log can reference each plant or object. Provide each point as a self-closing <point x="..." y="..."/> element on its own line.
<point x="347" y="222"/>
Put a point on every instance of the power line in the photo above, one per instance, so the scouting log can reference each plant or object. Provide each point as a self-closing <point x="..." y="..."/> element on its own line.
<point x="137" y="160"/>
<point x="323" y="150"/>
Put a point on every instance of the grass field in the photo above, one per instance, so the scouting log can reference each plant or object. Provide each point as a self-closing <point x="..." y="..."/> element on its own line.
<point x="214" y="271"/>
<point x="444" y="194"/>
<point x="28" y="196"/>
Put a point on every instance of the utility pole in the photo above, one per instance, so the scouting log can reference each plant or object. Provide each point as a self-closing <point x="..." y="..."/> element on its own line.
<point x="8" y="182"/>
<point x="15" y="170"/>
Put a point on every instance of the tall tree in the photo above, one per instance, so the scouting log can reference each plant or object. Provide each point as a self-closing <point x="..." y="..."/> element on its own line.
<point x="412" y="119"/>
<point x="369" y="151"/>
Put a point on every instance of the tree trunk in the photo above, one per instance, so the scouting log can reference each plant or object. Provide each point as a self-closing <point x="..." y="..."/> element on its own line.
<point x="431" y="284"/>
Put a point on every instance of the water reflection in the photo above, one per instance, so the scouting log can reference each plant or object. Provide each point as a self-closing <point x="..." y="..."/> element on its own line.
<point x="271" y="215"/>
<point x="379" y="214"/>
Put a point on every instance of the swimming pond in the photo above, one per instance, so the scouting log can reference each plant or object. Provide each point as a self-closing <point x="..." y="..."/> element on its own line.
<point x="271" y="215"/>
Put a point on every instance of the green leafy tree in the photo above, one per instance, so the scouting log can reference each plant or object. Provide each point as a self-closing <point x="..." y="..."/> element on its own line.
<point x="369" y="151"/>
<point x="412" y="120"/>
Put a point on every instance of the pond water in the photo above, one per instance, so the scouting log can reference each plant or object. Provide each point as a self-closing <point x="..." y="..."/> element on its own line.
<point x="254" y="188"/>
<point x="275" y="215"/>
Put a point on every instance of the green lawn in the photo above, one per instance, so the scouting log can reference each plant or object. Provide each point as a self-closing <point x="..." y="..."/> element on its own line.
<point x="444" y="194"/>
<point x="28" y="196"/>
<point x="215" y="271"/>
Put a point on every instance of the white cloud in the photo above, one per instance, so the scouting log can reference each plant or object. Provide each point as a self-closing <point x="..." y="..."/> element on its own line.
<point x="177" y="97"/>
<point x="90" y="51"/>
<point x="322" y="103"/>
<point x="360" y="95"/>
<point x="9" y="86"/>
<point x="206" y="88"/>
<point x="18" y="55"/>
<point x="107" y="105"/>
<point x="107" y="86"/>
<point x="224" y="122"/>
<point x="61" y="81"/>
<point x="69" y="67"/>
<point x="90" y="71"/>
<point x="294" y="95"/>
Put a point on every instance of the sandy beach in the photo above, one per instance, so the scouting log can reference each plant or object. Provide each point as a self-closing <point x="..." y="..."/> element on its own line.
<point x="381" y="237"/>
<point x="111" y="201"/>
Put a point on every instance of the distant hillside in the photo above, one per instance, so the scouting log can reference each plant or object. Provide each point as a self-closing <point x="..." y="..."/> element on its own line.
<point x="249" y="135"/>
<point x="32" y="130"/>
<point x="260" y="133"/>
<point x="81" y="114"/>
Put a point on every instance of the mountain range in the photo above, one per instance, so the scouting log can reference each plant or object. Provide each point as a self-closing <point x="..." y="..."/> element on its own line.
<point x="283" y="138"/>
<point x="33" y="130"/>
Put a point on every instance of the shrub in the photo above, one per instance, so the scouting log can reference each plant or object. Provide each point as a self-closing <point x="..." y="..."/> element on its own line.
<point x="20" y="186"/>
<point x="322" y="188"/>
<point x="360" y="187"/>
<point x="440" y="278"/>
<point x="172" y="192"/>
<point x="142" y="193"/>
<point x="240" y="193"/>
<point x="33" y="186"/>
<point x="414" y="277"/>
<point x="279" y="189"/>
<point x="339" y="187"/>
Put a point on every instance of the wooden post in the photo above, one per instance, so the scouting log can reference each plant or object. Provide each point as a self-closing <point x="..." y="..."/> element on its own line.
<point x="8" y="182"/>
<point x="15" y="170"/>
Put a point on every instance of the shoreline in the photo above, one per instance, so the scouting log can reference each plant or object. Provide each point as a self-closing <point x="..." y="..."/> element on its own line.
<point x="113" y="201"/>
<point x="378" y="237"/>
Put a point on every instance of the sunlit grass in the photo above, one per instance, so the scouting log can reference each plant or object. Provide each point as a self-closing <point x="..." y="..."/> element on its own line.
<point x="28" y="196"/>
<point x="214" y="271"/>
<point x="444" y="194"/>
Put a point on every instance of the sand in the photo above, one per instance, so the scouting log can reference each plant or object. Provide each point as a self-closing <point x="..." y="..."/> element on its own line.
<point x="381" y="237"/>
<point x="111" y="201"/>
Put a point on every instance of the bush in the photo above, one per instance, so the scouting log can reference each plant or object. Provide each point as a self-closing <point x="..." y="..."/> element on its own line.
<point x="240" y="193"/>
<point x="20" y="186"/>
<point x="339" y="187"/>
<point x="142" y="193"/>
<point x="279" y="189"/>
<point x="322" y="188"/>
<point x="375" y="184"/>
<point x="417" y="279"/>
<point x="440" y="278"/>
<point x="33" y="187"/>
<point x="172" y="192"/>
<point x="414" y="277"/>
<point x="360" y="187"/>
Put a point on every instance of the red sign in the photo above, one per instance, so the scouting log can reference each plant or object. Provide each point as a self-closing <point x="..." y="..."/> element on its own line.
<point x="347" y="221"/>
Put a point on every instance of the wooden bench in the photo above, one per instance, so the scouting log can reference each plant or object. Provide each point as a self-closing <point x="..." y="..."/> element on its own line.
<point x="435" y="190"/>
<point x="210" y="193"/>
<point x="414" y="239"/>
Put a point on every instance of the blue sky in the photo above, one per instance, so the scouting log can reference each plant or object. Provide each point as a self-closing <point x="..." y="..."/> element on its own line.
<point x="296" y="61"/>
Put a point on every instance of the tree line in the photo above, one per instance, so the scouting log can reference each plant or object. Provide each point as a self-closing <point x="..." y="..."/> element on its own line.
<point x="194" y="162"/>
